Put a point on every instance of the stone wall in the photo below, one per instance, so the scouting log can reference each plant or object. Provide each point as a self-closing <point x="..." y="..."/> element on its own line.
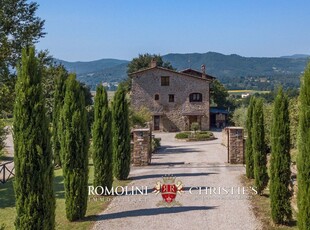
<point x="142" y="147"/>
<point x="236" y="145"/>
<point x="173" y="114"/>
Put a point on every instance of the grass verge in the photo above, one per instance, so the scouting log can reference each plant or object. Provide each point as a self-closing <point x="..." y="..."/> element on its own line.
<point x="95" y="206"/>
<point x="261" y="208"/>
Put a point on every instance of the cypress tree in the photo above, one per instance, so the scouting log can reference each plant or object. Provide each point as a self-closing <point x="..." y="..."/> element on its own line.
<point x="59" y="96"/>
<point x="303" y="161"/>
<point x="280" y="171"/>
<point x="249" y="160"/>
<point x="74" y="150"/>
<point x="33" y="182"/>
<point x="121" y="135"/>
<point x="259" y="150"/>
<point x="102" y="140"/>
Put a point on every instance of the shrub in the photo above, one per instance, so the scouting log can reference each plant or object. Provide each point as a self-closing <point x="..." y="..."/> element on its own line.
<point x="203" y="135"/>
<point x="3" y="133"/>
<point x="182" y="135"/>
<point x="155" y="143"/>
<point x="195" y="126"/>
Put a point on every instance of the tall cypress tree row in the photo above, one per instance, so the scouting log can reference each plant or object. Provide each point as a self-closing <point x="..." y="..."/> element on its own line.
<point x="121" y="135"/>
<point x="280" y="171"/>
<point x="59" y="96"/>
<point x="102" y="140"/>
<point x="259" y="150"/>
<point x="303" y="161"/>
<point x="74" y="150"/>
<point x="33" y="182"/>
<point x="249" y="158"/>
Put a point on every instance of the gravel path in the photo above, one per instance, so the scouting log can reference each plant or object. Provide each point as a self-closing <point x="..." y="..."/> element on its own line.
<point x="196" y="164"/>
<point x="9" y="148"/>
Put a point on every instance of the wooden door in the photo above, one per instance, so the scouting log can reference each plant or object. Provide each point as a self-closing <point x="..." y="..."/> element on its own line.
<point x="156" y="122"/>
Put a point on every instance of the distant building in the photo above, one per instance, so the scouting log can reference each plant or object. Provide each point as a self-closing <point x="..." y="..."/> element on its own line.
<point x="244" y="95"/>
<point x="175" y="99"/>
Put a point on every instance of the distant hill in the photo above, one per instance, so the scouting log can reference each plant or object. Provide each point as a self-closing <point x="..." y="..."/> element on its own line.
<point x="296" y="56"/>
<point x="91" y="66"/>
<point x="223" y="67"/>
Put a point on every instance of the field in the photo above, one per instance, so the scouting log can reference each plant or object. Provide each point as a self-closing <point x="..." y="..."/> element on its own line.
<point x="244" y="91"/>
<point x="8" y="213"/>
<point x="110" y="94"/>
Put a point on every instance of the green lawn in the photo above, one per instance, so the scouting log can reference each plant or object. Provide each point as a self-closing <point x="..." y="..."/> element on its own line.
<point x="7" y="204"/>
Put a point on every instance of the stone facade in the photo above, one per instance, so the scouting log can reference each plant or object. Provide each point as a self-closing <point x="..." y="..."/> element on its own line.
<point x="177" y="115"/>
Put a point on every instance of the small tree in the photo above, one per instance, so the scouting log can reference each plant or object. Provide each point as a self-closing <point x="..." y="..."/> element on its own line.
<point x="59" y="96"/>
<point x="280" y="172"/>
<point x="303" y="159"/>
<point x="195" y="127"/>
<point x="121" y="135"/>
<point x="33" y="182"/>
<point x="259" y="151"/>
<point x="102" y="140"/>
<point x="74" y="150"/>
<point x="249" y="158"/>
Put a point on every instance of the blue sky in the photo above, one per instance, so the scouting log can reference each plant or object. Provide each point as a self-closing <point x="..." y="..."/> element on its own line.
<point x="83" y="30"/>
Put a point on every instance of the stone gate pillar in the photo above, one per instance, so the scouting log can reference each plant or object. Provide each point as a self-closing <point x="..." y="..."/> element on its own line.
<point x="235" y="145"/>
<point x="142" y="149"/>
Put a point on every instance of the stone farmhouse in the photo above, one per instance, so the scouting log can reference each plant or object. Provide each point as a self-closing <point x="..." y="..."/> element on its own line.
<point x="175" y="99"/>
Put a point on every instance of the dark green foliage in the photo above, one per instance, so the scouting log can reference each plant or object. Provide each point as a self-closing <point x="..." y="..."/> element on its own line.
<point x="183" y="135"/>
<point x="219" y="95"/>
<point x="59" y="96"/>
<point x="3" y="133"/>
<point x="20" y="28"/>
<point x="280" y="172"/>
<point x="102" y="140"/>
<point x="303" y="159"/>
<point x="121" y="135"/>
<point x="259" y="150"/>
<point x="144" y="61"/>
<point x="74" y="149"/>
<point x="249" y="157"/>
<point x="35" y="201"/>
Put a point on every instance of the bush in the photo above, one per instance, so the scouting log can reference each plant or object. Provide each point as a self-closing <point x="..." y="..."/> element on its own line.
<point x="3" y="133"/>
<point x="182" y="135"/>
<point x="200" y="136"/>
<point x="195" y="126"/>
<point x="155" y="143"/>
<point x="206" y="132"/>
<point x="140" y="117"/>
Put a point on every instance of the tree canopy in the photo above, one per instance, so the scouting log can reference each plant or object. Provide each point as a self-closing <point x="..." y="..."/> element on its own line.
<point x="19" y="28"/>
<point x="144" y="61"/>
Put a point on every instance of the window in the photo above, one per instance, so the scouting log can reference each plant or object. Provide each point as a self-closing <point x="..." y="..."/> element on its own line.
<point x="195" y="97"/>
<point x="156" y="97"/>
<point x="171" y="97"/>
<point x="164" y="81"/>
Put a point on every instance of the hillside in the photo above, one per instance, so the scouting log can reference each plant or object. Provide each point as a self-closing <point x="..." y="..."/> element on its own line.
<point x="224" y="67"/>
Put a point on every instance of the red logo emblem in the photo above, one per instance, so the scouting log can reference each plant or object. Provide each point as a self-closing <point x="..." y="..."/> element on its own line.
<point x="169" y="190"/>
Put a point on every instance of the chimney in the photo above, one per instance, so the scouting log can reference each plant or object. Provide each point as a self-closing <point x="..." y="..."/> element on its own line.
<point x="203" y="70"/>
<point x="153" y="63"/>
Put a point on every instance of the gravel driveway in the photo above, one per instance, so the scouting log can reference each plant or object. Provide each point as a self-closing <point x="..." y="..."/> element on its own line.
<point x="198" y="165"/>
